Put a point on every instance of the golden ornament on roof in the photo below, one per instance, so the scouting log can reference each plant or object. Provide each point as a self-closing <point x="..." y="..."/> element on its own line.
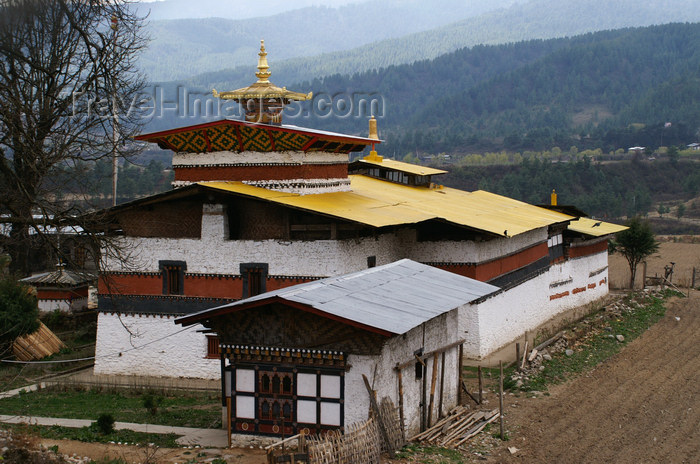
<point x="263" y="88"/>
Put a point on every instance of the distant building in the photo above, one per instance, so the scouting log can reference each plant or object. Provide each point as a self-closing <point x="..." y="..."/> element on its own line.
<point x="61" y="289"/>
<point x="694" y="146"/>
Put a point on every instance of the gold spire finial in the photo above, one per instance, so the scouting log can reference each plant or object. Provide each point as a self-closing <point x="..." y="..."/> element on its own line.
<point x="373" y="156"/>
<point x="263" y="73"/>
<point x="373" y="128"/>
<point x="553" y="198"/>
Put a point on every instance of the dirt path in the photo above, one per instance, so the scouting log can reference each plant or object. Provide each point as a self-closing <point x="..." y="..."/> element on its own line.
<point x="642" y="406"/>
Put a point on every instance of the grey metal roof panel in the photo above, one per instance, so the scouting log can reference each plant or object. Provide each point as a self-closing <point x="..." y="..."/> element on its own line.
<point x="60" y="277"/>
<point x="395" y="297"/>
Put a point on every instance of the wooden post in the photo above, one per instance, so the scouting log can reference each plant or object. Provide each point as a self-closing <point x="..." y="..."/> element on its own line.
<point x="500" y="398"/>
<point x="693" y="279"/>
<point x="424" y="397"/>
<point x="442" y="383"/>
<point x="228" y="419"/>
<point x="401" y="418"/>
<point x="481" y="383"/>
<point x="302" y="443"/>
<point x="460" y="366"/>
<point x="433" y="381"/>
<point x="378" y="415"/>
<point x="644" y="276"/>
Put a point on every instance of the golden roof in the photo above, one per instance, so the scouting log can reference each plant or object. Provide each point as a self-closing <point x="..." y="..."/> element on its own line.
<point x="400" y="166"/>
<point x="379" y="203"/>
<point x="594" y="227"/>
<point x="263" y="88"/>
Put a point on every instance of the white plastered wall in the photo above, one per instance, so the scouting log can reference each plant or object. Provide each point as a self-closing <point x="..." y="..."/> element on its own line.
<point x="381" y="373"/>
<point x="501" y="319"/>
<point x="320" y="258"/>
<point x="147" y="345"/>
<point x="218" y="158"/>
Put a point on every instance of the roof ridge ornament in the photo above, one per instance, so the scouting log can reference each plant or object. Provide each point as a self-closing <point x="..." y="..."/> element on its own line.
<point x="263" y="73"/>
<point x="263" y="101"/>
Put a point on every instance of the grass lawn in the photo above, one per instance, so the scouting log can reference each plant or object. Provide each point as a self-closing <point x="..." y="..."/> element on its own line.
<point x="186" y="409"/>
<point x="88" y="434"/>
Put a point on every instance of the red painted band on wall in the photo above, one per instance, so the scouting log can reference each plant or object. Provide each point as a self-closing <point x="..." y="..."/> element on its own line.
<point x="579" y="290"/>
<point x="587" y="250"/>
<point x="224" y="286"/>
<point x="491" y="269"/>
<point x="558" y="295"/>
<point x="254" y="173"/>
<point x="593" y="285"/>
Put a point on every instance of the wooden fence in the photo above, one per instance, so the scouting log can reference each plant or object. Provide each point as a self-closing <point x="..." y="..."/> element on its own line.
<point x="362" y="442"/>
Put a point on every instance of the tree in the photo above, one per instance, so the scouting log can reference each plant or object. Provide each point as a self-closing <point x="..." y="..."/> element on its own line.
<point x="68" y="87"/>
<point x="19" y="312"/>
<point x="680" y="210"/>
<point x="635" y="244"/>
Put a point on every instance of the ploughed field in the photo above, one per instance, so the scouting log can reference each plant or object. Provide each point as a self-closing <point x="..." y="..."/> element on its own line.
<point x="641" y="406"/>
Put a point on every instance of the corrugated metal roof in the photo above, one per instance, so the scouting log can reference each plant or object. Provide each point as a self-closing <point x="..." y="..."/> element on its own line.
<point x="594" y="227"/>
<point x="59" y="277"/>
<point x="380" y="203"/>
<point x="393" y="298"/>
<point x="403" y="167"/>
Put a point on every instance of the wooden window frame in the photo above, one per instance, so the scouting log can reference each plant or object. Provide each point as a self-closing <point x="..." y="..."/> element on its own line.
<point x="173" y="277"/>
<point x="213" y="348"/>
<point x="254" y="277"/>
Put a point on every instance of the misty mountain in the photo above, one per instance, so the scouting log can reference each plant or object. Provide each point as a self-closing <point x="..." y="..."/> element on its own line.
<point x="522" y="21"/>
<point x="609" y="89"/>
<point x="230" y="9"/>
<point x="181" y="48"/>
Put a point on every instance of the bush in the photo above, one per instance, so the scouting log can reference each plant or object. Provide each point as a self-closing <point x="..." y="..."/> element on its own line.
<point x="105" y="424"/>
<point x="19" y="311"/>
<point x="151" y="403"/>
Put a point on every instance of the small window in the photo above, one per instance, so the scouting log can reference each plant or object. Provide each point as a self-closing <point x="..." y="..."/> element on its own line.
<point x="254" y="279"/>
<point x="173" y="276"/>
<point x="371" y="261"/>
<point x="213" y="351"/>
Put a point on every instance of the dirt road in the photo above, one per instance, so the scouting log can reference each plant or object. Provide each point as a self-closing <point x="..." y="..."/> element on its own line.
<point x="642" y="406"/>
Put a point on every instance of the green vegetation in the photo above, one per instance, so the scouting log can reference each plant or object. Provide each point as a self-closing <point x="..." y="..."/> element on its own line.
<point x="625" y="188"/>
<point x="600" y="346"/>
<point x="104" y="424"/>
<point x="201" y="410"/>
<point x="539" y="19"/>
<point x="92" y="434"/>
<point x="635" y="244"/>
<point x="76" y="330"/>
<point x="430" y="454"/>
<point x="19" y="313"/>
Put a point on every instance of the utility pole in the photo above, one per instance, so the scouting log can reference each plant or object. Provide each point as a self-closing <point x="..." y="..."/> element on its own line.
<point x="115" y="118"/>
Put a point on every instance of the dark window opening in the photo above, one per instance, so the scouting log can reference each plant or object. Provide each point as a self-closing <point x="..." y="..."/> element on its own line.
<point x="419" y="371"/>
<point x="371" y="261"/>
<point x="254" y="279"/>
<point x="213" y="351"/>
<point x="173" y="277"/>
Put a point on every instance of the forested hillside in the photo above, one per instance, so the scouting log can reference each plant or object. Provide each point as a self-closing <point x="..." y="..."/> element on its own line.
<point x="609" y="90"/>
<point x="181" y="48"/>
<point x="522" y="21"/>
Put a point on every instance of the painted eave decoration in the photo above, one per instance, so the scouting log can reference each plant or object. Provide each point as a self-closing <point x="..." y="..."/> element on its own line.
<point x="237" y="136"/>
<point x="594" y="227"/>
<point x="389" y="300"/>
